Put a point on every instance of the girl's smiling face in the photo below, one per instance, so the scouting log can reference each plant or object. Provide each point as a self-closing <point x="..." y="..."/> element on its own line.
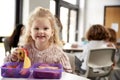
<point x="41" y="31"/>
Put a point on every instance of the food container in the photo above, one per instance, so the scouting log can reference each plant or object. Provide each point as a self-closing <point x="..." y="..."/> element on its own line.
<point x="14" y="70"/>
<point x="47" y="71"/>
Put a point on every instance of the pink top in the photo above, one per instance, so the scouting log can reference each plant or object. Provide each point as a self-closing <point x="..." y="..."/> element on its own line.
<point x="53" y="54"/>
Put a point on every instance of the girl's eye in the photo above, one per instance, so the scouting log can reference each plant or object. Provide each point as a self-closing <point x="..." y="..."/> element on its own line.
<point x="46" y="28"/>
<point x="36" y="28"/>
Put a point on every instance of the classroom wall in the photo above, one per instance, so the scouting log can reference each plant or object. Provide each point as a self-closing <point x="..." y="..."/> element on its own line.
<point x="94" y="12"/>
<point x="30" y="5"/>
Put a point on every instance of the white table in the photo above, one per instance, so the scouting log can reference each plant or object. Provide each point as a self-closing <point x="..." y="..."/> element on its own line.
<point x="65" y="76"/>
<point x="73" y="50"/>
<point x="68" y="76"/>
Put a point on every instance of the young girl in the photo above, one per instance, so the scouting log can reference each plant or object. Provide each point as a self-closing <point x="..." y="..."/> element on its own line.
<point x="42" y="41"/>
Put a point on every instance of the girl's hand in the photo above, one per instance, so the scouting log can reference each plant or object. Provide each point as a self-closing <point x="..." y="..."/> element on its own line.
<point x="13" y="56"/>
<point x="23" y="71"/>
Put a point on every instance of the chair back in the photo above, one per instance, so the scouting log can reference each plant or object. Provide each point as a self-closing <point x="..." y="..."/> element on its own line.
<point x="72" y="61"/>
<point x="7" y="46"/>
<point x="99" y="59"/>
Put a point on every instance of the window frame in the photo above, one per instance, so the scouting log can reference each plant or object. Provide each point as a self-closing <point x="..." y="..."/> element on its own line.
<point x="18" y="12"/>
<point x="61" y="3"/>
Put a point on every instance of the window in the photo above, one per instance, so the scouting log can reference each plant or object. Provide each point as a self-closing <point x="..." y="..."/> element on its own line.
<point x="52" y="6"/>
<point x="11" y="14"/>
<point x="64" y="21"/>
<point x="7" y="17"/>
<point x="72" y="30"/>
<point x="67" y="11"/>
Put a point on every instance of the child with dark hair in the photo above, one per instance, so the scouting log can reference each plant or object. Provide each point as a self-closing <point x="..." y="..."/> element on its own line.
<point x="96" y="36"/>
<point x="13" y="40"/>
<point x="112" y="39"/>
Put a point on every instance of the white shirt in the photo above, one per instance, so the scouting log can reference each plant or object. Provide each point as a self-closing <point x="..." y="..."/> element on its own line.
<point x="86" y="50"/>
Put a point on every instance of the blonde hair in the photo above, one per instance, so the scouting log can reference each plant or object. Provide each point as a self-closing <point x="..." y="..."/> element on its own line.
<point x="38" y="13"/>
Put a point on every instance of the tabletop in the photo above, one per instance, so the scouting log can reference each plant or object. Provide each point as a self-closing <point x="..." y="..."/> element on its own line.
<point x="71" y="50"/>
<point x="65" y="76"/>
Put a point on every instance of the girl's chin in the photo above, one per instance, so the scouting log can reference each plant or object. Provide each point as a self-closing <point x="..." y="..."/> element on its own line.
<point x="41" y="40"/>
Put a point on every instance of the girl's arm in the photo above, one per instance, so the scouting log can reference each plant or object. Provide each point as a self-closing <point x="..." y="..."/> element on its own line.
<point x="64" y="60"/>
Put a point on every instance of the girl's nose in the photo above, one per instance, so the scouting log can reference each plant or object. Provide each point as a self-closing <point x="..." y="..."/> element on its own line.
<point x="41" y="31"/>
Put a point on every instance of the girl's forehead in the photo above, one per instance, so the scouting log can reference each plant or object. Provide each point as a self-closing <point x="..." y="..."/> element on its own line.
<point x="41" y="19"/>
<point x="42" y="22"/>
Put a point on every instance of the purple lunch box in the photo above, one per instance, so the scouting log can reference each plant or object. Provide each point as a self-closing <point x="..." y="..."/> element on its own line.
<point x="16" y="72"/>
<point x="47" y="73"/>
